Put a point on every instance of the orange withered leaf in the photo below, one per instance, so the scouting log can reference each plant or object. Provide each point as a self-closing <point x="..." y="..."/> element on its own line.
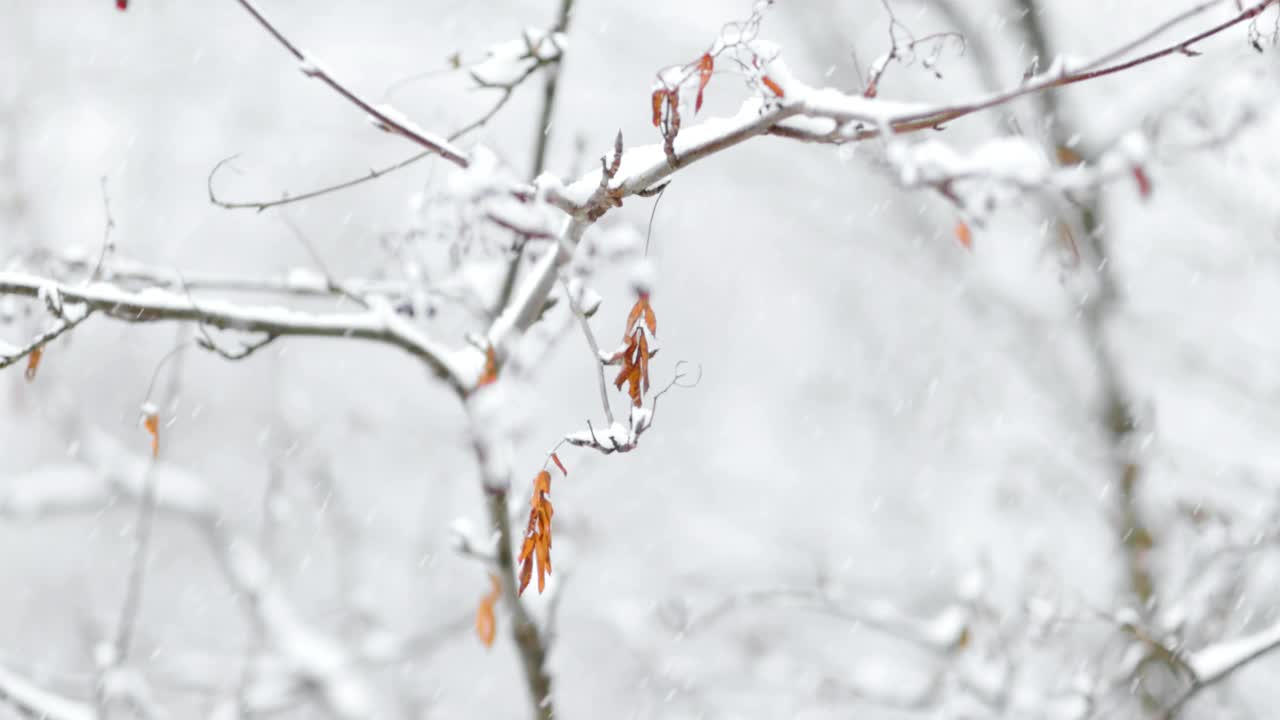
<point x="556" y="459"/>
<point x="659" y="99"/>
<point x="486" y="621"/>
<point x="541" y="484"/>
<point x="964" y="234"/>
<point x="643" y="355"/>
<point x="636" y="311"/>
<point x="526" y="572"/>
<point x="642" y="308"/>
<point x="634" y="356"/>
<point x="706" y="64"/>
<point x="490" y="373"/>
<point x="624" y="375"/>
<point x="151" y="423"/>
<point x="33" y="364"/>
<point x="633" y="386"/>
<point x="536" y="548"/>
<point x="775" y="87"/>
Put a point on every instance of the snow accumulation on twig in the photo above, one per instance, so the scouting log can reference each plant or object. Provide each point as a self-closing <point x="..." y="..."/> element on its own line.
<point x="1215" y="663"/>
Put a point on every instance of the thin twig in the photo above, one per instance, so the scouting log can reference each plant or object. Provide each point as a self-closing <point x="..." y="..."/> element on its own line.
<point x="108" y="225"/>
<point x="653" y="212"/>
<point x="333" y="285"/>
<point x="922" y="120"/>
<point x="437" y="145"/>
<point x="542" y="132"/>
<point x="594" y="346"/>
<point x="145" y="520"/>
<point x="1153" y="34"/>
<point x="1205" y="682"/>
<point x="289" y="199"/>
<point x="507" y="90"/>
<point x="542" y="138"/>
<point x="132" y="604"/>
<point x="63" y="325"/>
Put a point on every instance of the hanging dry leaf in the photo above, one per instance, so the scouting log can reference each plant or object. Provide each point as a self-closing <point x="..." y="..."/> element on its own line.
<point x="490" y="373"/>
<point x="33" y="364"/>
<point x="659" y="101"/>
<point x="151" y="423"/>
<point x="964" y="234"/>
<point x="486" y="621"/>
<point x="635" y="353"/>
<point x="1144" y="182"/>
<point x="536" y="549"/>
<point x="556" y="459"/>
<point x="706" y="64"/>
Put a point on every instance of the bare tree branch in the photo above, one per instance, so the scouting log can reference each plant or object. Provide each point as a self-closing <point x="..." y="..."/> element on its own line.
<point x="386" y="116"/>
<point x="529" y="640"/>
<point x="542" y="131"/>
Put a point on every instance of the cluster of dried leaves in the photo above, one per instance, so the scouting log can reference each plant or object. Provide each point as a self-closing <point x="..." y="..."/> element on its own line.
<point x="536" y="549"/>
<point x="634" y="355"/>
<point x="666" y="97"/>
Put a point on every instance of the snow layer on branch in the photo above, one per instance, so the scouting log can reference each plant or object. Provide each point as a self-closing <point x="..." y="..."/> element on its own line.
<point x="1219" y="659"/>
<point x="38" y="702"/>
<point x="506" y="63"/>
<point x="641" y="160"/>
<point x="1009" y="159"/>
<point x="286" y="321"/>
<point x="399" y="118"/>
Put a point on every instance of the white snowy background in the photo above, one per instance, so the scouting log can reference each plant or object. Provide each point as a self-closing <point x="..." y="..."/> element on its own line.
<point x="882" y="414"/>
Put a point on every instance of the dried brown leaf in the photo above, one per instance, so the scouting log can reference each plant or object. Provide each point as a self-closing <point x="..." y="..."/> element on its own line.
<point x="486" y="621"/>
<point x="33" y="364"/>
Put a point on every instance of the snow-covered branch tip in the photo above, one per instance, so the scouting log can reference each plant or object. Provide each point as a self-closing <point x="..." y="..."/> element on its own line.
<point x="1215" y="663"/>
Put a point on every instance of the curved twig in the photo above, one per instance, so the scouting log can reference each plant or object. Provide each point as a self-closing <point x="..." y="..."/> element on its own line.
<point x="386" y="117"/>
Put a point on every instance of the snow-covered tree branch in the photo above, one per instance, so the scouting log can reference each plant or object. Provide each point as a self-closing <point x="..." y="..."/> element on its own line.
<point x="877" y="410"/>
